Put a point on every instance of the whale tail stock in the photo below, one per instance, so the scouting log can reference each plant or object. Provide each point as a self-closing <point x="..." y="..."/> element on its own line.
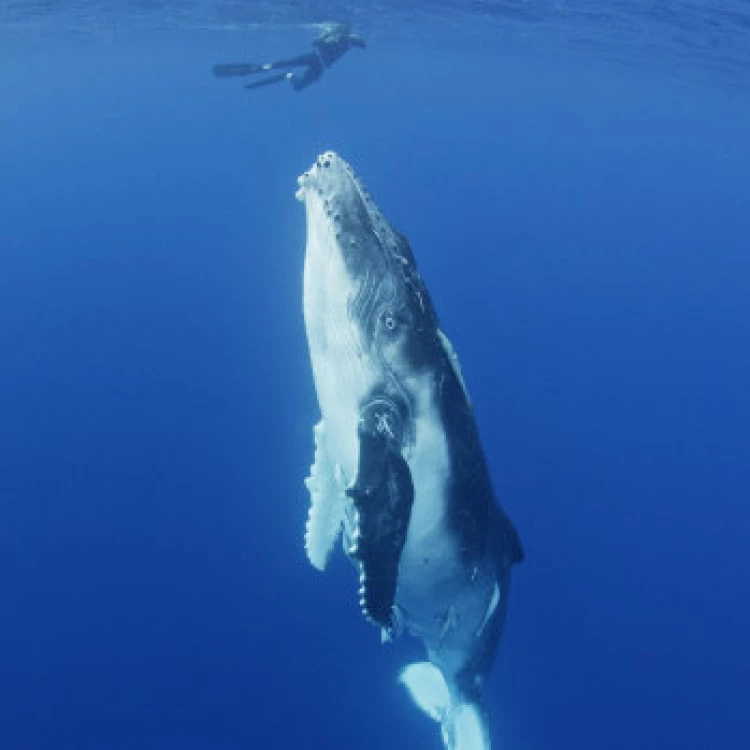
<point x="462" y="721"/>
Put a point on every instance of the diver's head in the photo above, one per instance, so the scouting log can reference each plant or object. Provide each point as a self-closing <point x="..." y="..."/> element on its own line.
<point x="333" y="31"/>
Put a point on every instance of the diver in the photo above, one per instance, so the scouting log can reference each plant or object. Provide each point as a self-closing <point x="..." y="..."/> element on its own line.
<point x="334" y="41"/>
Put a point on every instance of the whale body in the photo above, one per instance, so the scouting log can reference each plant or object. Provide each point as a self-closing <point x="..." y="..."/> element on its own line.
<point x="399" y="471"/>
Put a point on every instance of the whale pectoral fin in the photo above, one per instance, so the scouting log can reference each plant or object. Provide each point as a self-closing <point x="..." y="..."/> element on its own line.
<point x="327" y="503"/>
<point x="383" y="495"/>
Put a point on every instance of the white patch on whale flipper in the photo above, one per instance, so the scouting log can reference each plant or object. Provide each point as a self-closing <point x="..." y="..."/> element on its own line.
<point x="327" y="503"/>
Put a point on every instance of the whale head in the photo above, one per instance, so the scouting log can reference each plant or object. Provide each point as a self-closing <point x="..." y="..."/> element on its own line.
<point x="360" y="271"/>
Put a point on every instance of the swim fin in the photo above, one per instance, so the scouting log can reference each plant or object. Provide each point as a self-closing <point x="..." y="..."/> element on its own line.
<point x="237" y="69"/>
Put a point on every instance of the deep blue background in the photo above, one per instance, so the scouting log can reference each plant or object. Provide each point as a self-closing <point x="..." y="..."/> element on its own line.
<point x="584" y="231"/>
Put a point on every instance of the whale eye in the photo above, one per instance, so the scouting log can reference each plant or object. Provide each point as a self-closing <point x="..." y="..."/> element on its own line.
<point x="393" y="321"/>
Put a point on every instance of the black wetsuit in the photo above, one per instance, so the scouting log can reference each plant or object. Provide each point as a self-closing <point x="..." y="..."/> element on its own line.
<point x="328" y="49"/>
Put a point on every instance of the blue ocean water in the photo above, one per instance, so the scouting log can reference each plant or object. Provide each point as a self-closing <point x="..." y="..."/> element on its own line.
<point x="574" y="182"/>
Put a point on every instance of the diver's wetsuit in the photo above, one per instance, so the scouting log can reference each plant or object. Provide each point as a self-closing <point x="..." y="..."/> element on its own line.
<point x="328" y="49"/>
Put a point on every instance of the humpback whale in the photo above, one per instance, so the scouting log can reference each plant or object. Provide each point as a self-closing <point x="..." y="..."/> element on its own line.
<point x="399" y="472"/>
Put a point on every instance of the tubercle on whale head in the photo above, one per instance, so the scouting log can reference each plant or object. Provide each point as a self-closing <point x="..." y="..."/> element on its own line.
<point x="309" y="181"/>
<point x="338" y="202"/>
<point x="328" y="167"/>
<point x="333" y="182"/>
<point x="340" y="211"/>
